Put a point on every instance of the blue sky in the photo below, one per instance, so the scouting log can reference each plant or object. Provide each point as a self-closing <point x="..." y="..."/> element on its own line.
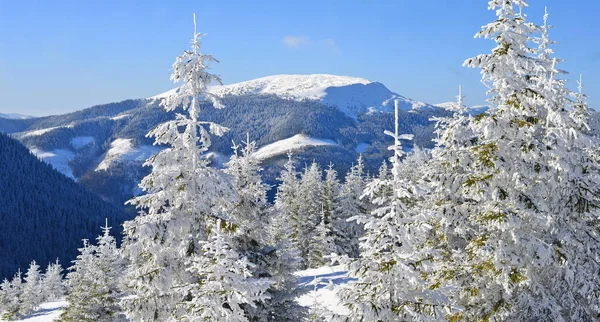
<point x="61" y="56"/>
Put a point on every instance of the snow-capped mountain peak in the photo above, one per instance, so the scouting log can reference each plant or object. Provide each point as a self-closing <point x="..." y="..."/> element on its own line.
<point x="352" y="95"/>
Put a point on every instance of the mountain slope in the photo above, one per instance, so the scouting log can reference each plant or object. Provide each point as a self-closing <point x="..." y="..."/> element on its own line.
<point x="103" y="147"/>
<point x="44" y="214"/>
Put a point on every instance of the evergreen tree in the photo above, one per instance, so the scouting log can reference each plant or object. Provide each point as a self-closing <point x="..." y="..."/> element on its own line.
<point x="347" y="232"/>
<point x="14" y="295"/>
<point x="93" y="282"/>
<point x="5" y="291"/>
<point x="52" y="282"/>
<point x="225" y="285"/>
<point x="286" y="220"/>
<point x="394" y="256"/>
<point x="185" y="198"/>
<point x="252" y="240"/>
<point x="310" y="206"/>
<point x="499" y="189"/>
<point x="31" y="297"/>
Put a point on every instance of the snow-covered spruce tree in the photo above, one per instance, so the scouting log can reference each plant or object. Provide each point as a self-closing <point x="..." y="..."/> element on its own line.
<point x="330" y="194"/>
<point x="580" y="110"/>
<point x="285" y="220"/>
<point x="13" y="302"/>
<point x="225" y="285"/>
<point x="52" y="282"/>
<point x="4" y="295"/>
<point x="349" y="205"/>
<point x="184" y="199"/>
<point x="322" y="243"/>
<point x="271" y="261"/>
<point x="93" y="282"/>
<point x="31" y="297"/>
<point x="495" y="191"/>
<point x="573" y="196"/>
<point x="310" y="207"/>
<point x="389" y="284"/>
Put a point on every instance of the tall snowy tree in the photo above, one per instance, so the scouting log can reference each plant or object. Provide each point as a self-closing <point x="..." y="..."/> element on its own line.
<point x="271" y="261"/>
<point x="497" y="184"/>
<point x="52" y="282"/>
<point x="394" y="257"/>
<point x="310" y="208"/>
<point x="31" y="297"/>
<point x="184" y="200"/>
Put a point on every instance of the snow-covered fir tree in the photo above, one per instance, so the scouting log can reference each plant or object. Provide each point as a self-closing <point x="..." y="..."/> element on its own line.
<point x="31" y="297"/>
<point x="93" y="282"/>
<point x="225" y="285"/>
<point x="4" y="295"/>
<point x="310" y="207"/>
<point x="52" y="282"/>
<point x="286" y="220"/>
<point x="573" y="197"/>
<point x="12" y="307"/>
<point x="580" y="110"/>
<point x="347" y="232"/>
<point x="323" y="242"/>
<point x="497" y="188"/>
<point x="394" y="257"/>
<point x="184" y="200"/>
<point x="271" y="260"/>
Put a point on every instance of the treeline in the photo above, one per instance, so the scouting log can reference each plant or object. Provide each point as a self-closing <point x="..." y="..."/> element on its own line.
<point x="44" y="214"/>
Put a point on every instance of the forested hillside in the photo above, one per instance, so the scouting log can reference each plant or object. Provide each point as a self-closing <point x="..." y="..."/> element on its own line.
<point x="44" y="214"/>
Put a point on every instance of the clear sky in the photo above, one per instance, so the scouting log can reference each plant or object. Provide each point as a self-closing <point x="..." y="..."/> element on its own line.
<point x="61" y="56"/>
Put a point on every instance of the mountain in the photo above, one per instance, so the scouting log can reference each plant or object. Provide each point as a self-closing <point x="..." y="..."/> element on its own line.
<point x="324" y="118"/>
<point x="351" y="95"/>
<point x="44" y="214"/>
<point x="16" y="116"/>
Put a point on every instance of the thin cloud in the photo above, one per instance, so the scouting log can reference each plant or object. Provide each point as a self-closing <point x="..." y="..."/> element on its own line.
<point x="295" y="41"/>
<point x="303" y="41"/>
<point x="331" y="44"/>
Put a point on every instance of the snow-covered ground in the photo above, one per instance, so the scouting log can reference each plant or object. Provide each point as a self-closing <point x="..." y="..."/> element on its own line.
<point x="296" y="142"/>
<point x="58" y="159"/>
<point x="42" y="131"/>
<point x="123" y="150"/>
<point x="46" y="313"/>
<point x="321" y="283"/>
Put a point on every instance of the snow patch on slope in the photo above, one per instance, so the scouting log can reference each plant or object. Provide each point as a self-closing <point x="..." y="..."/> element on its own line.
<point x="120" y="117"/>
<point x="296" y="142"/>
<point x="475" y="109"/>
<point x="43" y="131"/>
<point x="59" y="159"/>
<point x="81" y="141"/>
<point x="123" y="150"/>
